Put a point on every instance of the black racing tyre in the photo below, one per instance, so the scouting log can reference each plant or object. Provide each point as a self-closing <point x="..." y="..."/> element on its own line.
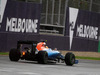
<point x="69" y="59"/>
<point x="42" y="57"/>
<point x="14" y="55"/>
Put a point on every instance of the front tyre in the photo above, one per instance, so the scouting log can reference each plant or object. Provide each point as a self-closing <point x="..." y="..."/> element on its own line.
<point x="14" y="55"/>
<point x="69" y="59"/>
<point x="42" y="57"/>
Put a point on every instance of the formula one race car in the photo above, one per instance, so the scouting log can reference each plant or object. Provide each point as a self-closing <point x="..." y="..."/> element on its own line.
<point x="34" y="51"/>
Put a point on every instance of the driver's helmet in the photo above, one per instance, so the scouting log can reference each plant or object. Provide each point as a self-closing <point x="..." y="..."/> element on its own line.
<point x="44" y="44"/>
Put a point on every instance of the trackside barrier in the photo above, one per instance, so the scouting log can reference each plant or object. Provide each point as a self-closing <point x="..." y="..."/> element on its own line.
<point x="21" y="21"/>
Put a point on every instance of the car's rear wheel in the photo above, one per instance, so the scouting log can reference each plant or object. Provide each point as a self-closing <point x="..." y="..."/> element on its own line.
<point x="69" y="59"/>
<point x="42" y="57"/>
<point x="14" y="55"/>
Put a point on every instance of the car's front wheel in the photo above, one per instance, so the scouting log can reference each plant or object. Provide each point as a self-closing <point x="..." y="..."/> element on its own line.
<point x="69" y="59"/>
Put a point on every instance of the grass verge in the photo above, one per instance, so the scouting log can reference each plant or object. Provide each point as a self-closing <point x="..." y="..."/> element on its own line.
<point x="4" y="53"/>
<point x="89" y="58"/>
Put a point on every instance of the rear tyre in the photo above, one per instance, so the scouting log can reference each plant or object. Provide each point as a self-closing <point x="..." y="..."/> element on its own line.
<point x="69" y="59"/>
<point x="42" y="57"/>
<point x="14" y="55"/>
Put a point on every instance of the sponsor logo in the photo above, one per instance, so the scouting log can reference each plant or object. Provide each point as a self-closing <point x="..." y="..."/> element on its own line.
<point x="87" y="31"/>
<point x="21" y="25"/>
<point x="73" y="13"/>
<point x="84" y="31"/>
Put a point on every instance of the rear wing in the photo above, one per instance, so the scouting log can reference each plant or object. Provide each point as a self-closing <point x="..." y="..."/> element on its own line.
<point x="32" y="43"/>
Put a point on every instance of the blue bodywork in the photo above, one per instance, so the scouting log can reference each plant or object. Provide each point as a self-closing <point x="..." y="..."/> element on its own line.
<point x="54" y="54"/>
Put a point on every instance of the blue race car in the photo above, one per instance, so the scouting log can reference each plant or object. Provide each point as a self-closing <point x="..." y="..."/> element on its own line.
<point x="34" y="51"/>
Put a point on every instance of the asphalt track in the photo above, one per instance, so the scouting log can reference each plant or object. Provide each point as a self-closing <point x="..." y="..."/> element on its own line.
<point x="22" y="67"/>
